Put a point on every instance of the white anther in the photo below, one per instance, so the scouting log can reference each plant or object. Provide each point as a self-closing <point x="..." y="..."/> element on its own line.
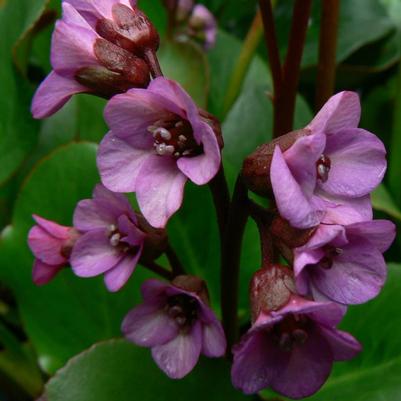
<point x="182" y="138"/>
<point x="164" y="133"/>
<point x="186" y="152"/>
<point x="339" y="251"/>
<point x="169" y="150"/>
<point x="115" y="239"/>
<point x="161" y="149"/>
<point x="112" y="227"/>
<point x="179" y="124"/>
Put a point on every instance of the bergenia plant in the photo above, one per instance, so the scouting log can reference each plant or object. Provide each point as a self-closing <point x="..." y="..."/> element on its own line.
<point x="321" y="246"/>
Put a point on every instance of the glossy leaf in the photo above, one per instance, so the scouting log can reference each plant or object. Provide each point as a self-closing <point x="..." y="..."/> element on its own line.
<point x="187" y="64"/>
<point x="69" y="314"/>
<point x="118" y="370"/>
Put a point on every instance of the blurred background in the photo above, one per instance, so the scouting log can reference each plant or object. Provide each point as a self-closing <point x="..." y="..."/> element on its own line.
<point x="47" y="166"/>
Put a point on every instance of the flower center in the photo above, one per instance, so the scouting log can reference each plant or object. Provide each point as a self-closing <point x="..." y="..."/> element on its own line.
<point x="115" y="240"/>
<point x="183" y="309"/>
<point x="323" y="166"/>
<point x="174" y="138"/>
<point x="327" y="261"/>
<point x="291" y="332"/>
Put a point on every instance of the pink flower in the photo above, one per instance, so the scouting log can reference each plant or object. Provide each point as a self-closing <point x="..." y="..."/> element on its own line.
<point x="177" y="324"/>
<point x="344" y="263"/>
<point x="84" y="62"/>
<point x="51" y="244"/>
<point x="292" y="350"/>
<point x="111" y="242"/>
<point x="202" y="25"/>
<point x="157" y="141"/>
<point x="327" y="175"/>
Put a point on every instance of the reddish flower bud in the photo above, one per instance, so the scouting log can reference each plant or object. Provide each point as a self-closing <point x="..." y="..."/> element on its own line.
<point x="256" y="167"/>
<point x="270" y="289"/>
<point x="118" y="72"/>
<point x="129" y="29"/>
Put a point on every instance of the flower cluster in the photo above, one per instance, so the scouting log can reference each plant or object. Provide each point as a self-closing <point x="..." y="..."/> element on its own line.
<point x="193" y="21"/>
<point x="320" y="178"/>
<point x="158" y="140"/>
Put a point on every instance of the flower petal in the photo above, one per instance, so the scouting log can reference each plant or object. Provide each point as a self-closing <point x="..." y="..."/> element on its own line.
<point x="119" y="163"/>
<point x="358" y="163"/>
<point x="291" y="201"/>
<point x="45" y="247"/>
<point x="306" y="369"/>
<point x="173" y="91"/>
<point x="380" y="233"/>
<point x="153" y="289"/>
<point x="180" y="355"/>
<point x="213" y="340"/>
<point x="43" y="273"/>
<point x="116" y="277"/>
<point x="346" y="211"/>
<point x="54" y="229"/>
<point x="129" y="115"/>
<point x="159" y="189"/>
<point x="72" y="48"/>
<point x="201" y="169"/>
<point x="356" y="276"/>
<point x="133" y="235"/>
<point x="148" y="325"/>
<point x="53" y="93"/>
<point x="255" y="360"/>
<point x="93" y="255"/>
<point x="343" y="345"/>
<point x="102" y="211"/>
<point x="301" y="159"/>
<point x="342" y="110"/>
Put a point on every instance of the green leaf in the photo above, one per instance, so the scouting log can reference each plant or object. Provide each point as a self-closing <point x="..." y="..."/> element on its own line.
<point x="17" y="129"/>
<point x="69" y="314"/>
<point x="187" y="64"/>
<point x="118" y="370"/>
<point x="357" y="18"/>
<point x="374" y="374"/>
<point x="382" y="200"/>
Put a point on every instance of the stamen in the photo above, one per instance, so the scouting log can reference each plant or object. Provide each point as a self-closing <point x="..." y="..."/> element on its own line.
<point x="300" y="336"/>
<point x="285" y="342"/>
<point x="115" y="239"/>
<point x="323" y="166"/>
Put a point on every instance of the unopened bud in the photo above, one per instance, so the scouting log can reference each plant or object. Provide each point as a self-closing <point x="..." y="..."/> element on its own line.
<point x="118" y="71"/>
<point x="130" y="29"/>
<point x="256" y="167"/>
<point x="271" y="288"/>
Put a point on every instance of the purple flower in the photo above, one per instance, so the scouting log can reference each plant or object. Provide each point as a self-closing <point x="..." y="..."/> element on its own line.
<point x="83" y="62"/>
<point x="51" y="244"/>
<point x="202" y="25"/>
<point x="157" y="141"/>
<point x="327" y="175"/>
<point x="177" y="324"/>
<point x="292" y="350"/>
<point x="111" y="242"/>
<point x="344" y="264"/>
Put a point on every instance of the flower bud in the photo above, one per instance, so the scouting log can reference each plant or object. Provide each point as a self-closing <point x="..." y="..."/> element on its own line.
<point x="271" y="288"/>
<point x="118" y="72"/>
<point x="129" y="29"/>
<point x="256" y="167"/>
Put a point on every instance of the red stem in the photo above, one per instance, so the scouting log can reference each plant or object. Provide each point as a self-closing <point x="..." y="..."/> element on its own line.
<point x="326" y="71"/>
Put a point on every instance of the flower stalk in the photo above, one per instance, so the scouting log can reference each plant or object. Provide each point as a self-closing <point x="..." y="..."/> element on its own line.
<point x="230" y="261"/>
<point x="326" y="69"/>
